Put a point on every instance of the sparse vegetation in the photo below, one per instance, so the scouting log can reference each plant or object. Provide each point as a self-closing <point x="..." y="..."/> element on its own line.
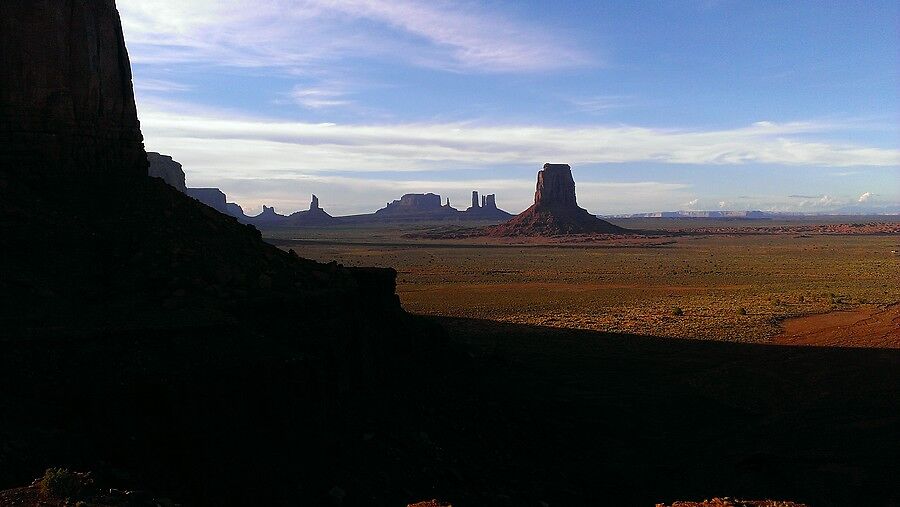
<point x="63" y="483"/>
<point x="624" y="289"/>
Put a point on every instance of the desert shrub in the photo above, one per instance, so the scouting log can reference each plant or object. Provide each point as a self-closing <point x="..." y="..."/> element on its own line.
<point x="742" y="311"/>
<point x="677" y="311"/>
<point x="64" y="483"/>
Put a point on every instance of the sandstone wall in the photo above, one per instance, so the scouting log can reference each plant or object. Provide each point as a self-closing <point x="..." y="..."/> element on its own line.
<point x="66" y="100"/>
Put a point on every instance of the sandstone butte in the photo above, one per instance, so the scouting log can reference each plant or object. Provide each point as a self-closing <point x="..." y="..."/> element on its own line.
<point x="555" y="211"/>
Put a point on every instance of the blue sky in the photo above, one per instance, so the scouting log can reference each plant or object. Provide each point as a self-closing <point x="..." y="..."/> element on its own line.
<point x="663" y="105"/>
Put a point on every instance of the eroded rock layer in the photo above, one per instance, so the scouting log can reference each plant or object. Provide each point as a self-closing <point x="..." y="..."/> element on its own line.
<point x="555" y="210"/>
<point x="66" y="100"/>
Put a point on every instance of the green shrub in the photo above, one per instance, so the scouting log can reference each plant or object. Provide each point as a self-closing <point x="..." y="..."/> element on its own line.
<point x="677" y="311"/>
<point x="742" y="311"/>
<point x="64" y="483"/>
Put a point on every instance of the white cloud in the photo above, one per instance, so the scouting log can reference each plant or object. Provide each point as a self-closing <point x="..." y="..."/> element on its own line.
<point x="600" y="104"/>
<point x="221" y="142"/>
<point x="160" y="85"/>
<point x="692" y="203"/>
<point x="865" y="197"/>
<point x="296" y="33"/>
<point x="723" y="204"/>
<point x="318" y="98"/>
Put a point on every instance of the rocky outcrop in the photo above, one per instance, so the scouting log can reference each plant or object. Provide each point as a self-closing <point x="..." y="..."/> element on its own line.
<point x="555" y="187"/>
<point x="314" y="216"/>
<point x="412" y="207"/>
<point x="212" y="197"/>
<point x="177" y="311"/>
<point x="268" y="217"/>
<point x="412" y="204"/>
<point x="163" y="166"/>
<point x="486" y="209"/>
<point x="235" y="210"/>
<point x="66" y="101"/>
<point x="555" y="210"/>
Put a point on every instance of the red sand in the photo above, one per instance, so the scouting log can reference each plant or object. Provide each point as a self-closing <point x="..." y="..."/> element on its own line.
<point x="874" y="327"/>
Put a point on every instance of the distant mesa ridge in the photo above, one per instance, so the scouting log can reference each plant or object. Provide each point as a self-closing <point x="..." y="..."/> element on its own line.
<point x="555" y="210"/>
<point x="170" y="171"/>
<point x="410" y="207"/>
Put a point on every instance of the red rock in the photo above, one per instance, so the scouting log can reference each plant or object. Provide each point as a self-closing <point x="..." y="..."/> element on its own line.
<point x="555" y="210"/>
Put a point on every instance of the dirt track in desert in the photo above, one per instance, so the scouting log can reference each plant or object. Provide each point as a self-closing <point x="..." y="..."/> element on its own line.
<point x="862" y="327"/>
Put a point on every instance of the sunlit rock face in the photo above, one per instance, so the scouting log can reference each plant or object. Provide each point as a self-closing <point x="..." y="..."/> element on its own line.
<point x="555" y="211"/>
<point x="555" y="187"/>
<point x="66" y="99"/>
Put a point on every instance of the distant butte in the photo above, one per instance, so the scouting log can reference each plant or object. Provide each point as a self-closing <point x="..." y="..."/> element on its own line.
<point x="555" y="211"/>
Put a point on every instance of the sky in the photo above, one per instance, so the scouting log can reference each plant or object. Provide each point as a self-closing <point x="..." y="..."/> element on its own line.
<point x="656" y="105"/>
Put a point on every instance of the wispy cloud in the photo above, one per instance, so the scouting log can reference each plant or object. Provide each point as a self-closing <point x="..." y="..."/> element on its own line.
<point x="319" y="98"/>
<point x="601" y="103"/>
<point x="160" y="86"/>
<point x="294" y="34"/>
<point x="250" y="145"/>
<point x="865" y="197"/>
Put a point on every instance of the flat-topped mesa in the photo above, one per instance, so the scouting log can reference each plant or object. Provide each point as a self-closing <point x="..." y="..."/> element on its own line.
<point x="555" y="187"/>
<point x="166" y="168"/>
<point x="555" y="211"/>
<point x="67" y="106"/>
<point x="474" y="198"/>
<point x="210" y="196"/>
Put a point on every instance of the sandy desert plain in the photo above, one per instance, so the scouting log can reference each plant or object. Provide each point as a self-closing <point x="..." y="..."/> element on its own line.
<point x="740" y="281"/>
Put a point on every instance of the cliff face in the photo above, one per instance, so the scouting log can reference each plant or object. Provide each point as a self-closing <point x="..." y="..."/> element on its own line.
<point x="150" y="276"/>
<point x="555" y="187"/>
<point x="66" y="100"/>
<point x="555" y="211"/>
<point x="170" y="171"/>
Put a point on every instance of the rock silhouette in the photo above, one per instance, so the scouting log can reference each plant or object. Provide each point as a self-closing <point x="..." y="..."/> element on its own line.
<point x="314" y="216"/>
<point x="555" y="210"/>
<point x="486" y="209"/>
<point x="163" y="166"/>
<point x="555" y="187"/>
<point x="213" y="315"/>
<point x="210" y="196"/>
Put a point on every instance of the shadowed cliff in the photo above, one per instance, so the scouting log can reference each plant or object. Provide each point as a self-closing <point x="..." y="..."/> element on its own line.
<point x="136" y="285"/>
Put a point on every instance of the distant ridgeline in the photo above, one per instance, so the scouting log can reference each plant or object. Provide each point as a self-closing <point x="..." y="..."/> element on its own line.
<point x="410" y="207"/>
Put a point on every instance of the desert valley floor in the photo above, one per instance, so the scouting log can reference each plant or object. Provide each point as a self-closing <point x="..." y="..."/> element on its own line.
<point x="736" y="286"/>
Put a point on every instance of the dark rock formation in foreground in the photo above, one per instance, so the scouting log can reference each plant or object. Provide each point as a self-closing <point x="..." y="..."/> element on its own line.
<point x="66" y="101"/>
<point x="170" y="171"/>
<point x="144" y="334"/>
<point x="555" y="211"/>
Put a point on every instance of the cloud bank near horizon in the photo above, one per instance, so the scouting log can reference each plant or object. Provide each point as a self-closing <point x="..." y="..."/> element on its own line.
<point x="362" y="100"/>
<point x="218" y="148"/>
